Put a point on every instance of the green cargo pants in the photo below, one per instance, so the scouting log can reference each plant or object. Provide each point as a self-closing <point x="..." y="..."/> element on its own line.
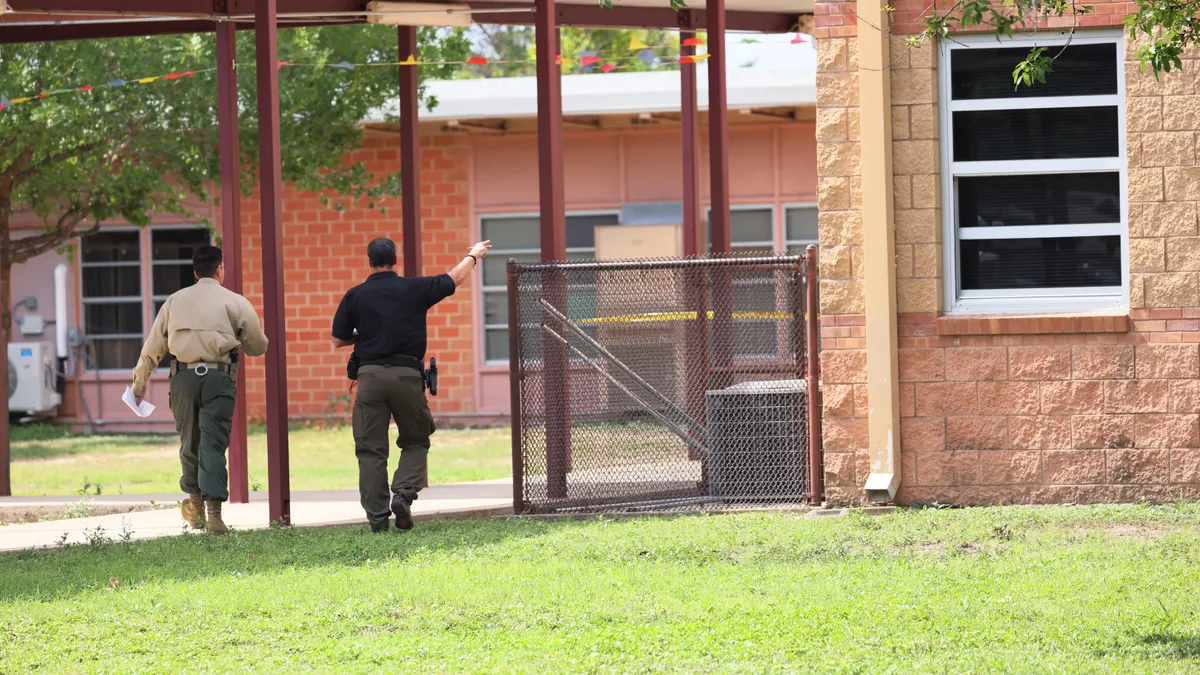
<point x="386" y="393"/>
<point x="203" y="409"/>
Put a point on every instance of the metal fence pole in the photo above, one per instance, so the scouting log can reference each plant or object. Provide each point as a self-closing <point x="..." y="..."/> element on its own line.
<point x="514" y="383"/>
<point x="816" y="471"/>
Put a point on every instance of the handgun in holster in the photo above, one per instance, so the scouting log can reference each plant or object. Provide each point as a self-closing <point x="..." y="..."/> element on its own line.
<point x="233" y="365"/>
<point x="429" y="377"/>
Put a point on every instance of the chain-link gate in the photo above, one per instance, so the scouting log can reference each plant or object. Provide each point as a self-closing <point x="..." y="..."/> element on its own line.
<point x="664" y="384"/>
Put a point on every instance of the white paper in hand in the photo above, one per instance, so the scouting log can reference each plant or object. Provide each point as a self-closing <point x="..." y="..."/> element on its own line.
<point x="142" y="409"/>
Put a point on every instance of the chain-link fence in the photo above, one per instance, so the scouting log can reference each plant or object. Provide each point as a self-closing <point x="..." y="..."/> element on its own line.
<point x="664" y="384"/>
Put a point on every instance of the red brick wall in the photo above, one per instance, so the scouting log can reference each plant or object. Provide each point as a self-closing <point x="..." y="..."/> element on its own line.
<point x="326" y="255"/>
<point x="1032" y="418"/>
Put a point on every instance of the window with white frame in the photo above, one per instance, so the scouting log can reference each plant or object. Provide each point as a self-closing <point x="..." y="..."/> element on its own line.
<point x="799" y="228"/>
<point x="1034" y="176"/>
<point x="117" y="310"/>
<point x="520" y="237"/>
<point x="752" y="232"/>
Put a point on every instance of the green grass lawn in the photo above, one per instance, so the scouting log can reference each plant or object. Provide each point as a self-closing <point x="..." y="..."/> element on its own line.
<point x="50" y="461"/>
<point x="1112" y="589"/>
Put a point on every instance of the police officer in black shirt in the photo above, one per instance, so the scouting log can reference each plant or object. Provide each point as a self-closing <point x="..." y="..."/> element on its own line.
<point x="384" y="319"/>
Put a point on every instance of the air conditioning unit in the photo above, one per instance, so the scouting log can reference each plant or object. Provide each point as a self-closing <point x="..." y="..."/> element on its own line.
<point x="758" y="441"/>
<point x="32" y="378"/>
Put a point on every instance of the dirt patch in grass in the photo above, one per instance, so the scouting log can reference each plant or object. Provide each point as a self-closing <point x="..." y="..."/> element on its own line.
<point x="1137" y="531"/>
<point x="15" y="515"/>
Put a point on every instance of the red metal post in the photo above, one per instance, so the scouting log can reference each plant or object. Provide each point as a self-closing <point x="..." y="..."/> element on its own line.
<point x="274" y="313"/>
<point x="812" y="319"/>
<point x="552" y="213"/>
<point x="514" y="382"/>
<point x="410" y="153"/>
<point x="231" y="235"/>
<point x="718" y="157"/>
<point x="693" y="234"/>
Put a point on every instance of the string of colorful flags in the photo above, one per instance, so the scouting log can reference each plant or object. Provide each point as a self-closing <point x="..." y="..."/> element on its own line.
<point x="589" y="61"/>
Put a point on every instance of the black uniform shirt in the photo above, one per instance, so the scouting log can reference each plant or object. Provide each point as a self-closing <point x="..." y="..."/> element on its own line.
<point x="388" y="311"/>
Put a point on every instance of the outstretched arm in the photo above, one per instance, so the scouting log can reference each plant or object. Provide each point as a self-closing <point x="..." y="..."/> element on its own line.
<point x="462" y="271"/>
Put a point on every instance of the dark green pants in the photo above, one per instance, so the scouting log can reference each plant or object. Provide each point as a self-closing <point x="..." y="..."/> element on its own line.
<point x="203" y="409"/>
<point x="386" y="393"/>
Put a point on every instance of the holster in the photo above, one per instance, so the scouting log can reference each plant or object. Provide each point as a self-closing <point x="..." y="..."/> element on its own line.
<point x="352" y="366"/>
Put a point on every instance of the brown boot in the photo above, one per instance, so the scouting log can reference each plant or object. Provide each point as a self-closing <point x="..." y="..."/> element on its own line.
<point x="192" y="510"/>
<point x="215" y="524"/>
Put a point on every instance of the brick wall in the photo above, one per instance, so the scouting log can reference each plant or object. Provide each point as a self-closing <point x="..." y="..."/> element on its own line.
<point x="1075" y="417"/>
<point x="326" y="255"/>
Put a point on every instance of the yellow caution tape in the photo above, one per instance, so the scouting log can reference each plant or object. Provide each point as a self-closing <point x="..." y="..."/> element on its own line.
<point x="683" y="316"/>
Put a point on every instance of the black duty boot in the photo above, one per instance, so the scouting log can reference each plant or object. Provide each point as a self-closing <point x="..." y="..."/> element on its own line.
<point x="403" y="513"/>
<point x="381" y="527"/>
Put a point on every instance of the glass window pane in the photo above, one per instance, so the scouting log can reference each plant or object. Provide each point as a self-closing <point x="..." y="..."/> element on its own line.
<point x="108" y="318"/>
<point x="1044" y="133"/>
<point x="495" y="308"/>
<point x="745" y="225"/>
<point x="1079" y="70"/>
<point x="755" y="338"/>
<point x="171" y="278"/>
<point x="110" y="247"/>
<point x="1045" y="199"/>
<point x="1062" y="262"/>
<point x="112" y="282"/>
<point x="802" y="224"/>
<point x="581" y="230"/>
<point x="173" y="244"/>
<point x="496" y="344"/>
<point x="116" y="354"/>
<point x="510" y="233"/>
<point x="495" y="272"/>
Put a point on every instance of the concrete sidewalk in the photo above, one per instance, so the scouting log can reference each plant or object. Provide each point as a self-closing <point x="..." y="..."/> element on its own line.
<point x="309" y="509"/>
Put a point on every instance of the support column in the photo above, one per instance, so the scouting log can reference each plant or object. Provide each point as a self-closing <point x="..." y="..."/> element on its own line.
<point x="693" y="236"/>
<point x="410" y="152"/>
<point x="718" y="158"/>
<point x="552" y="213"/>
<point x="274" y="313"/>
<point x="879" y="250"/>
<point x="718" y="127"/>
<point x="231" y="235"/>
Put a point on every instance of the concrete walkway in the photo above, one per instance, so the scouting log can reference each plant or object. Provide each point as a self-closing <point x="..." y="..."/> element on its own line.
<point x="309" y="509"/>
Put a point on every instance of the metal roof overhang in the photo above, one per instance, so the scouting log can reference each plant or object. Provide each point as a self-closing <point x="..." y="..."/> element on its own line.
<point x="51" y="20"/>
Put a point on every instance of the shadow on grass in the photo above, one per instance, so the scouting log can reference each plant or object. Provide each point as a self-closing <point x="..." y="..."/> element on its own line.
<point x="1175" y="643"/>
<point x="98" y="444"/>
<point x="64" y="572"/>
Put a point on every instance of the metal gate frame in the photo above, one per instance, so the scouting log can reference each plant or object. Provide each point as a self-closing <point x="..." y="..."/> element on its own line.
<point x="806" y="267"/>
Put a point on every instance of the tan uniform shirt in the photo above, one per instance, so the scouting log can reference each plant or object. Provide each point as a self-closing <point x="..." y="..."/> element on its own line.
<point x="203" y="322"/>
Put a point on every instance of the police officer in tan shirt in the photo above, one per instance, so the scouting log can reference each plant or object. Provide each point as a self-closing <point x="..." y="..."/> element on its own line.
<point x="203" y="326"/>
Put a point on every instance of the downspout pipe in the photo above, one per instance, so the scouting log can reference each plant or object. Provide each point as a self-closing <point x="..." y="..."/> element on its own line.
<point x="879" y="250"/>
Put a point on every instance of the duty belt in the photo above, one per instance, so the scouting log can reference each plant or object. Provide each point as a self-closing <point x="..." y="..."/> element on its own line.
<point x="201" y="367"/>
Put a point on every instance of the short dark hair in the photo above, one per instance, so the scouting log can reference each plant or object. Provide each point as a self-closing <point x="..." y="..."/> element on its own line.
<point x="382" y="252"/>
<point x="206" y="260"/>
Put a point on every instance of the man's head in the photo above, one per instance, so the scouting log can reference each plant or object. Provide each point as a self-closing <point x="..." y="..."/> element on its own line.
<point x="208" y="262"/>
<point x="382" y="253"/>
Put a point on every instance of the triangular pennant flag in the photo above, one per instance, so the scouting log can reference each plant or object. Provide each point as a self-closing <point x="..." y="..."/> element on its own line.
<point x="636" y="43"/>
<point x="647" y="57"/>
<point x="410" y="61"/>
<point x="687" y="59"/>
<point x="43" y="95"/>
<point x="693" y="42"/>
<point x="147" y="80"/>
<point x="4" y="103"/>
<point x="750" y="41"/>
<point x="20" y="100"/>
<point x="565" y="63"/>
<point x="346" y="65"/>
<point x="589" y="60"/>
<point x="56" y="92"/>
<point x="116" y="83"/>
<point x="87" y="88"/>
<point x="608" y="67"/>
<point x="701" y="57"/>
<point x="799" y="39"/>
<point x="282" y="64"/>
<point x="172" y="76"/>
<point x="477" y="61"/>
<point x="558" y="59"/>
